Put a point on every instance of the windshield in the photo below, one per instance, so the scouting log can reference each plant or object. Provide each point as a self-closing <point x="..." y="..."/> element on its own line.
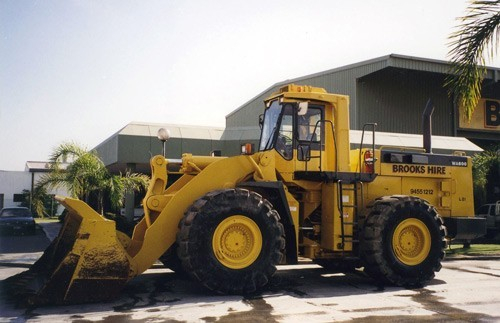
<point x="277" y="129"/>
<point x="269" y="127"/>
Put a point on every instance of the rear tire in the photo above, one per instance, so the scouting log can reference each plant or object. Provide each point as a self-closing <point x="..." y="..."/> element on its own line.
<point x="402" y="241"/>
<point x="231" y="241"/>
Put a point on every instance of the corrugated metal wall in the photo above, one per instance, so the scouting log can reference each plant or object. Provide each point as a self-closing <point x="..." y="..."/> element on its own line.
<point x="395" y="98"/>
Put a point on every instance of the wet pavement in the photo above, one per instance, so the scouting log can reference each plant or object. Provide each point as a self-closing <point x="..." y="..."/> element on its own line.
<point x="463" y="291"/>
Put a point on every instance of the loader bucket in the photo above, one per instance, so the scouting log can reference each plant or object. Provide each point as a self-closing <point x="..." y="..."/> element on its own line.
<point x="86" y="262"/>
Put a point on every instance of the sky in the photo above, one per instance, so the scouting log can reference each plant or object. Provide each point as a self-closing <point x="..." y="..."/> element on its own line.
<point x="80" y="70"/>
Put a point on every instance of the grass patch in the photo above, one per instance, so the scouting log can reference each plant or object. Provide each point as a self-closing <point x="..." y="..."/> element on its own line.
<point x="474" y="250"/>
<point x="47" y="220"/>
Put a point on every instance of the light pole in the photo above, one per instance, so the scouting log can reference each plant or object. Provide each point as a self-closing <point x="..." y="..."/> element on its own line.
<point x="163" y="135"/>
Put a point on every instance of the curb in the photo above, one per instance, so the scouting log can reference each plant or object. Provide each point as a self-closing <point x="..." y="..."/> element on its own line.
<point x="15" y="264"/>
<point x="477" y="257"/>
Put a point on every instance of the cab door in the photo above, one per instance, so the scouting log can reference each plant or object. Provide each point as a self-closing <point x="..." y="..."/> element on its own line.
<point x="309" y="145"/>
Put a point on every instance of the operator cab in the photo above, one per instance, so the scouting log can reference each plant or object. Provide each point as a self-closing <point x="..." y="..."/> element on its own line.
<point x="290" y="127"/>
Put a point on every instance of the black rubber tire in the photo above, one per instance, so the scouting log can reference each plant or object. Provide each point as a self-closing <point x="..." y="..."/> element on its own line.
<point x="376" y="246"/>
<point x="197" y="230"/>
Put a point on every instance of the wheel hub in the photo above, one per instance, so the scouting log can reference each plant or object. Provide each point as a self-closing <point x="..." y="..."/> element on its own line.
<point x="237" y="242"/>
<point x="411" y="242"/>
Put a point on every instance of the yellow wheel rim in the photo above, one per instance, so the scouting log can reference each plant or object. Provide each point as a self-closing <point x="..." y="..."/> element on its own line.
<point x="237" y="242"/>
<point x="411" y="242"/>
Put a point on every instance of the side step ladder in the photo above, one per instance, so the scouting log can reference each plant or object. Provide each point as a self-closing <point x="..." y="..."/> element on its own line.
<point x="353" y="205"/>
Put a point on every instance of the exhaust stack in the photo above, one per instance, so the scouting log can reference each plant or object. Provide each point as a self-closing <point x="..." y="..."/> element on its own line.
<point x="427" y="126"/>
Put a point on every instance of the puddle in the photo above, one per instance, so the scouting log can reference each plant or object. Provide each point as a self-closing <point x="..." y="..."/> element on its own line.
<point x="125" y="318"/>
<point x="261" y="312"/>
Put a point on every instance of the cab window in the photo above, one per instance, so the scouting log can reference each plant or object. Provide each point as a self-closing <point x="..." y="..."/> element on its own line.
<point x="309" y="132"/>
<point x="309" y="129"/>
<point x="284" y="142"/>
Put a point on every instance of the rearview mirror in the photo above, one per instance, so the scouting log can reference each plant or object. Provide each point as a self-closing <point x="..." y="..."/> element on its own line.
<point x="303" y="106"/>
<point x="261" y="120"/>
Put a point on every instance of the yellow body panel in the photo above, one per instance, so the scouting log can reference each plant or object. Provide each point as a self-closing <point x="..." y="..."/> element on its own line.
<point x="448" y="188"/>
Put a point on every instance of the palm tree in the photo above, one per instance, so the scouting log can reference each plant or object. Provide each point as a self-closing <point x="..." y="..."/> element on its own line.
<point x="486" y="175"/>
<point x="476" y="36"/>
<point x="39" y="201"/>
<point x="87" y="175"/>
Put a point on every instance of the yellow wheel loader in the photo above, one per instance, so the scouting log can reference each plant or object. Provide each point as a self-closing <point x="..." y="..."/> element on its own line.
<point x="228" y="222"/>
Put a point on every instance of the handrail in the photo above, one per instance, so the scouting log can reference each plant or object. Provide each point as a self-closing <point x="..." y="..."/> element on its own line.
<point x="322" y="144"/>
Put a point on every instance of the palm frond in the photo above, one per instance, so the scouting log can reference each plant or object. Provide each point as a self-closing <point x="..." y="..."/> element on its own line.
<point x="54" y="180"/>
<point x="38" y="195"/>
<point x="116" y="191"/>
<point x="477" y="35"/>
<point x="135" y="181"/>
<point x="65" y="152"/>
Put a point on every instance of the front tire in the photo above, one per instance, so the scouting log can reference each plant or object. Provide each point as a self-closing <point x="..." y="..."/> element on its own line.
<point x="231" y="241"/>
<point x="402" y="241"/>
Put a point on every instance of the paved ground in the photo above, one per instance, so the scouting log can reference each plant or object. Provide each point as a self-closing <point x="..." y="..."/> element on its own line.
<point x="464" y="291"/>
<point x="27" y="244"/>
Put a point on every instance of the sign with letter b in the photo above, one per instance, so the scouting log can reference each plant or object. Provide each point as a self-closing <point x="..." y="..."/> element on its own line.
<point x="486" y="116"/>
